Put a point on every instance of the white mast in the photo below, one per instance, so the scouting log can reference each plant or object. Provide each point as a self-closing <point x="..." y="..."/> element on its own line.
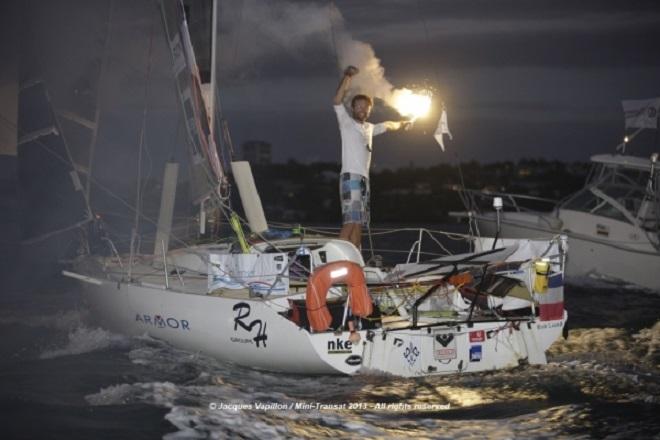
<point x="138" y="196"/>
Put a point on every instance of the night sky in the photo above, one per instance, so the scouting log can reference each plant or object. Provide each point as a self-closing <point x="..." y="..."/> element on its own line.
<point x="536" y="79"/>
<point x="519" y="78"/>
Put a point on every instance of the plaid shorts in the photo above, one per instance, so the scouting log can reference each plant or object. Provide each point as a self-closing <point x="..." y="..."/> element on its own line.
<point x="354" y="191"/>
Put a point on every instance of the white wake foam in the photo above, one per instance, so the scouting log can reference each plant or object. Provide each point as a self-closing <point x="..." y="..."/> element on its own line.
<point x="84" y="340"/>
<point x="62" y="320"/>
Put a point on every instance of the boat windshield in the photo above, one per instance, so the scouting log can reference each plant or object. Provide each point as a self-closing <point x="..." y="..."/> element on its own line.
<point x="587" y="201"/>
<point x="606" y="174"/>
<point x="629" y="197"/>
<point x="615" y="192"/>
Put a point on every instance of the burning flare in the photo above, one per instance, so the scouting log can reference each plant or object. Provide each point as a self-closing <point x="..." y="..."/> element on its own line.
<point x="412" y="104"/>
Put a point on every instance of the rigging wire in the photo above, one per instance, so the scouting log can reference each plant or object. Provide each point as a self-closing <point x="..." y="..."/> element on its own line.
<point x="225" y="208"/>
<point x="422" y="16"/>
<point x="96" y="182"/>
<point x="97" y="111"/>
<point x="228" y="211"/>
<point x="220" y="132"/>
<point x="135" y="235"/>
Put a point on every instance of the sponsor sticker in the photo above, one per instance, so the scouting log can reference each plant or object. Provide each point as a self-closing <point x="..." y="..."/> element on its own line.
<point x="475" y="353"/>
<point x="162" y="321"/>
<point x="339" y="346"/>
<point x="411" y="353"/>
<point x="477" y="336"/>
<point x="444" y="346"/>
<point x="242" y="310"/>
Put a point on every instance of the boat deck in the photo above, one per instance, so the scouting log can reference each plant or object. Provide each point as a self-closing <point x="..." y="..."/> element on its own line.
<point x="182" y="281"/>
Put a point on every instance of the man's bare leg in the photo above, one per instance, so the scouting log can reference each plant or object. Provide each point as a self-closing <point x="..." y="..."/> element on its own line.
<point x="352" y="232"/>
<point x="345" y="233"/>
<point x="356" y="237"/>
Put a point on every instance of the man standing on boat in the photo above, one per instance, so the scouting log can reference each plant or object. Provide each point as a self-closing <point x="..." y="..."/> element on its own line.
<point x="356" y="147"/>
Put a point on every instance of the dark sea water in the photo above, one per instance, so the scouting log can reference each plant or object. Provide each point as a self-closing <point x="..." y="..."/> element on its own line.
<point x="63" y="377"/>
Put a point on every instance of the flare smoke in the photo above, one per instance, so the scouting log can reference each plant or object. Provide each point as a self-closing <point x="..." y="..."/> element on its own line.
<point x="261" y="30"/>
<point x="351" y="52"/>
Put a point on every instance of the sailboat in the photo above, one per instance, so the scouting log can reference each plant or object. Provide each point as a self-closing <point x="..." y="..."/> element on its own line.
<point x="308" y="303"/>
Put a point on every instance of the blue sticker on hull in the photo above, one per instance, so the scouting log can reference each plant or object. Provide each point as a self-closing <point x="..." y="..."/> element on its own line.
<point x="475" y="353"/>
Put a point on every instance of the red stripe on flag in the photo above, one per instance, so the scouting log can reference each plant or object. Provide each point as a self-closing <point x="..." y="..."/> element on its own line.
<point x="551" y="312"/>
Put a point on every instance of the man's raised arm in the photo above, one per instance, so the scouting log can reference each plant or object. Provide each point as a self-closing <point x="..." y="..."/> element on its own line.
<point x="344" y="84"/>
<point x="404" y="124"/>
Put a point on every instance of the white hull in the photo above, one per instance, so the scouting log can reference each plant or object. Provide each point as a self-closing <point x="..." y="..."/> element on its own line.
<point x="248" y="331"/>
<point x="207" y="324"/>
<point x="588" y="256"/>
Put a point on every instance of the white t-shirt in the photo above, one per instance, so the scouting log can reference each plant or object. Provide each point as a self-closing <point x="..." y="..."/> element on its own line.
<point x="356" y="142"/>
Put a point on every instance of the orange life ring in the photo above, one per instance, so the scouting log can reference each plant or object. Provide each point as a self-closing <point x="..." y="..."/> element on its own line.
<point x="317" y="290"/>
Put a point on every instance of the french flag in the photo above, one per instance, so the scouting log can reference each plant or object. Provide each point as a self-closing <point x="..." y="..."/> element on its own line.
<point x="551" y="302"/>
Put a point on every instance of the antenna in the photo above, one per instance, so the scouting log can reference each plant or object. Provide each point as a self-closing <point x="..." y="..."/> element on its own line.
<point x="497" y="204"/>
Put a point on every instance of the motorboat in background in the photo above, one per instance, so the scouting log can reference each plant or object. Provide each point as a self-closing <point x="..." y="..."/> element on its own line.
<point x="612" y="223"/>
